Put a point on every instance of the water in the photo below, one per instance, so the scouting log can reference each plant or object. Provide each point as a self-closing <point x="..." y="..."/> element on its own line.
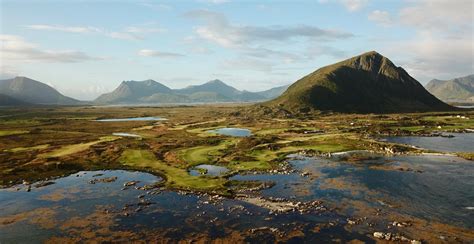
<point x="212" y="170"/>
<point x="132" y="119"/>
<point x="436" y="187"/>
<point x="125" y="134"/>
<point x="237" y="132"/>
<point x="74" y="208"/>
<point x="461" y="142"/>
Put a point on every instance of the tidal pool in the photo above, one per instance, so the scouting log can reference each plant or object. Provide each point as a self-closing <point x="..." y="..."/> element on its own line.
<point x="460" y="142"/>
<point x="428" y="187"/>
<point x="237" y="132"/>
<point x="208" y="169"/>
<point x="95" y="205"/>
<point x="131" y="119"/>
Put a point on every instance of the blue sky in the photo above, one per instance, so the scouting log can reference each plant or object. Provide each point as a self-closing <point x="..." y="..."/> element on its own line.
<point x="84" y="48"/>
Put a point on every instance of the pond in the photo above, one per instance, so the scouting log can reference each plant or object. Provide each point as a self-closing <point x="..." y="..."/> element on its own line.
<point x="131" y="119"/>
<point x="126" y="134"/>
<point x="207" y="169"/>
<point x="458" y="142"/>
<point x="237" y="132"/>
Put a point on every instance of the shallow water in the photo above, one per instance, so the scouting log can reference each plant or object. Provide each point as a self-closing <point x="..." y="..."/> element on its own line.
<point x="212" y="170"/>
<point x="461" y="142"/>
<point x="72" y="207"/>
<point x="441" y="189"/>
<point x="125" y="134"/>
<point x="132" y="119"/>
<point x="237" y="132"/>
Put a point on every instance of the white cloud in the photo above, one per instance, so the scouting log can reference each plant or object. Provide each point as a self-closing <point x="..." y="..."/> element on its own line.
<point x="350" y="5"/>
<point x="15" y="48"/>
<point x="354" y="5"/>
<point x="380" y="17"/>
<point x="129" y="33"/>
<point x="441" y="15"/>
<point x="218" y="30"/>
<point x="160" y="54"/>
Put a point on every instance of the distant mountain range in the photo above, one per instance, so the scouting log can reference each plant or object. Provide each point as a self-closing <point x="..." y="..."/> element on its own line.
<point x="22" y="90"/>
<point x="150" y="91"/>
<point x="368" y="83"/>
<point x="455" y="90"/>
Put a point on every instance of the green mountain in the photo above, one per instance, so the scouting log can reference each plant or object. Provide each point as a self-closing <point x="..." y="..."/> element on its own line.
<point x="34" y="92"/>
<point x="368" y="83"/>
<point x="219" y="92"/>
<point x="10" y="101"/>
<point x="455" y="90"/>
<point x="149" y="91"/>
<point x="133" y="92"/>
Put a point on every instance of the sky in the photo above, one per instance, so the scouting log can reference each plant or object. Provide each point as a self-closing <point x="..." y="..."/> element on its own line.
<point x="86" y="48"/>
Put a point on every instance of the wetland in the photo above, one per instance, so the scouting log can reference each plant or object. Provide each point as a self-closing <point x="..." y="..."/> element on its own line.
<point x="223" y="173"/>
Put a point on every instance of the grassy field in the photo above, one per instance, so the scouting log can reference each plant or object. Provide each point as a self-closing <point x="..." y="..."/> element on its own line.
<point x="44" y="142"/>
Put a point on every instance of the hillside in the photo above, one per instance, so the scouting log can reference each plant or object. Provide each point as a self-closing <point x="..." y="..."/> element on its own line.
<point x="34" y="92"/>
<point x="368" y="83"/>
<point x="455" y="90"/>
<point x="9" y="101"/>
<point x="133" y="92"/>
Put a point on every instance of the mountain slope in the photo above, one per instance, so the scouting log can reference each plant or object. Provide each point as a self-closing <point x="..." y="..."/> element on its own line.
<point x="273" y="92"/>
<point x="221" y="92"/>
<point x="32" y="91"/>
<point x="368" y="83"/>
<point x="133" y="92"/>
<point x="455" y="90"/>
<point x="10" y="101"/>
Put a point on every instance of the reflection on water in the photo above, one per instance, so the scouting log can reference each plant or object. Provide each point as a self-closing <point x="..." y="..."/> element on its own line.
<point x="207" y="169"/>
<point x="125" y="134"/>
<point x="431" y="187"/>
<point x="132" y="119"/>
<point x="461" y="142"/>
<point x="237" y="132"/>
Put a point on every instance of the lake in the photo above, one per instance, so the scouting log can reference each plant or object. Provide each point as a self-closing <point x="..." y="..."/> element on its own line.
<point x="237" y="132"/>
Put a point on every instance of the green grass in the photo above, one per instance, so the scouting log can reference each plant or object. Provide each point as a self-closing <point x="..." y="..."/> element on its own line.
<point x="75" y="148"/>
<point x="24" y="149"/>
<point x="175" y="177"/>
<point x="253" y="165"/>
<point x="12" y="132"/>
<point x="204" y="154"/>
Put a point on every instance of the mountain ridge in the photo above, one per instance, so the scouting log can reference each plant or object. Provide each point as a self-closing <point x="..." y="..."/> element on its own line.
<point x="459" y="89"/>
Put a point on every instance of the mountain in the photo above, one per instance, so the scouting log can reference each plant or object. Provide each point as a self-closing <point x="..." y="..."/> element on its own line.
<point x="32" y="91"/>
<point x="455" y="90"/>
<point x="368" y="83"/>
<point x="219" y="92"/>
<point x="273" y="92"/>
<point x="133" y="92"/>
<point x="10" y="101"/>
<point x="150" y="91"/>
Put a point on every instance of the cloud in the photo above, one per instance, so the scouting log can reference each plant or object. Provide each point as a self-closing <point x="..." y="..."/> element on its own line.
<point x="440" y="15"/>
<point x="381" y="18"/>
<point x="220" y="31"/>
<point x="246" y="63"/>
<point x="16" y="48"/>
<point x="129" y="33"/>
<point x="159" y="54"/>
<point x="350" y="5"/>
<point x="214" y="1"/>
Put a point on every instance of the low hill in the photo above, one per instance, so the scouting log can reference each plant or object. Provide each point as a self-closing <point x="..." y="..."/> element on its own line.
<point x="368" y="83"/>
<point x="34" y="92"/>
<point x="133" y="92"/>
<point x="455" y="90"/>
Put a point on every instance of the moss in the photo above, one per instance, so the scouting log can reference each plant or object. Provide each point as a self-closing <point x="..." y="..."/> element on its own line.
<point x="75" y="148"/>
<point x="175" y="177"/>
<point x="204" y="154"/>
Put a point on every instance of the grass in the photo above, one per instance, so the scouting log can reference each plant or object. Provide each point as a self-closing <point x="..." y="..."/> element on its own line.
<point x="75" y="148"/>
<point x="204" y="154"/>
<point x="13" y="132"/>
<point x="175" y="177"/>
<point x="25" y="149"/>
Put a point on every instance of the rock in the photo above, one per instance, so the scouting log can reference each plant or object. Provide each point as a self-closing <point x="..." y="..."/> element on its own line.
<point x="131" y="183"/>
<point x="379" y="235"/>
<point x="415" y="242"/>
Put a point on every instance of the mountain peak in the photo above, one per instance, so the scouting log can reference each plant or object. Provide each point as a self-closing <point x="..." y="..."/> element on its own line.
<point x="365" y="83"/>
<point x="216" y="82"/>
